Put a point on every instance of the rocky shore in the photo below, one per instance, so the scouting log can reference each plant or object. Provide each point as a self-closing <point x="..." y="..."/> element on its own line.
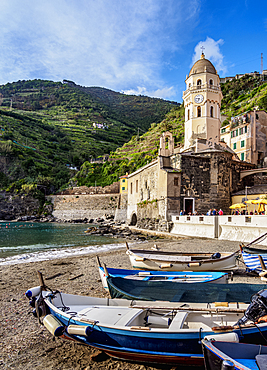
<point x="26" y="344"/>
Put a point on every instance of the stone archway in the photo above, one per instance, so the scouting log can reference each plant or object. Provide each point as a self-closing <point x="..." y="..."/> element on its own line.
<point x="133" y="220"/>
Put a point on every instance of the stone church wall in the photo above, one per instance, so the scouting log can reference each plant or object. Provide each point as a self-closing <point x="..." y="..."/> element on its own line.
<point x="210" y="180"/>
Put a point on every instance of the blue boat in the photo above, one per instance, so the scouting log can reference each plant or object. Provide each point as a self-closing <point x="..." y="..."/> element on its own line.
<point x="158" y="332"/>
<point x="241" y="356"/>
<point x="172" y="276"/>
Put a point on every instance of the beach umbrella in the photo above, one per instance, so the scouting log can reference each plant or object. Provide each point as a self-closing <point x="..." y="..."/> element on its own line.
<point x="261" y="207"/>
<point x="250" y="201"/>
<point x="237" y="205"/>
<point x="263" y="201"/>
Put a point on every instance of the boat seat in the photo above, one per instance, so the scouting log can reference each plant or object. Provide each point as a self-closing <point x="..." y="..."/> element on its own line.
<point x="262" y="362"/>
<point x="178" y="320"/>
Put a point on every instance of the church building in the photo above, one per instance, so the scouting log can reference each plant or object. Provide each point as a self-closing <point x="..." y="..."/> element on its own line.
<point x="197" y="177"/>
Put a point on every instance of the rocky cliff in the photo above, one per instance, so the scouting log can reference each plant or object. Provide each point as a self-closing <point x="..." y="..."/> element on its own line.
<point x="14" y="206"/>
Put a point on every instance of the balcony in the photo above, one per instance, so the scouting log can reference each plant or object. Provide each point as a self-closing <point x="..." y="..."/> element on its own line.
<point x="200" y="87"/>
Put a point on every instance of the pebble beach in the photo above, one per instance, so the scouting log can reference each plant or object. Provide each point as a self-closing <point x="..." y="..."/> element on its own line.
<point x="25" y="344"/>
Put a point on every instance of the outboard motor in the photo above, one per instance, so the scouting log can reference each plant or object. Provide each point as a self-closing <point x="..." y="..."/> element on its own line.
<point x="256" y="309"/>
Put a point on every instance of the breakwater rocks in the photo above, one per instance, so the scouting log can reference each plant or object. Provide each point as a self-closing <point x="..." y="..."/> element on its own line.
<point x="114" y="231"/>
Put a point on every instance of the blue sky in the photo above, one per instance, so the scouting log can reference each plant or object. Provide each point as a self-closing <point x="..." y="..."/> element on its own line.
<point x="140" y="46"/>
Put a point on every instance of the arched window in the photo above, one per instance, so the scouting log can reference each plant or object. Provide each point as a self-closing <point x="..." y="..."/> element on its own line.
<point x="199" y="82"/>
<point x="167" y="143"/>
<point x="189" y="85"/>
<point x="211" y="111"/>
<point x="211" y="82"/>
<point x="188" y="114"/>
<point x="199" y="111"/>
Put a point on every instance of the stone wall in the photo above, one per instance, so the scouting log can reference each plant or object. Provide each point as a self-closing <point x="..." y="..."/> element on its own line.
<point x="73" y="207"/>
<point x="121" y="211"/>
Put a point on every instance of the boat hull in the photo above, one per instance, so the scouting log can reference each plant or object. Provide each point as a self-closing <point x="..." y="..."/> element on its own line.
<point x="226" y="263"/>
<point x="252" y="261"/>
<point x="173" y="276"/>
<point x="172" y="346"/>
<point x="242" y="355"/>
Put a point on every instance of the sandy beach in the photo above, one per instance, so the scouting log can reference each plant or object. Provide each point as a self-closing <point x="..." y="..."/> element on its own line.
<point x="26" y="344"/>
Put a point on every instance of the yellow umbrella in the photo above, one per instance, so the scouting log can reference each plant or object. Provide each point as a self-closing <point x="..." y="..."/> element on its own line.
<point x="261" y="208"/>
<point x="250" y="201"/>
<point x="237" y="205"/>
<point x="256" y="201"/>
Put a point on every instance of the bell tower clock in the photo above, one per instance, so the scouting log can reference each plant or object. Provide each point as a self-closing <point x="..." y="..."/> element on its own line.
<point x="202" y="102"/>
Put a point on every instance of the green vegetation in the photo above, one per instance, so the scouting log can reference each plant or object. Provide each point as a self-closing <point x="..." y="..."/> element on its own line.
<point x="241" y="95"/>
<point x="48" y="129"/>
<point x="53" y="128"/>
<point x="134" y="154"/>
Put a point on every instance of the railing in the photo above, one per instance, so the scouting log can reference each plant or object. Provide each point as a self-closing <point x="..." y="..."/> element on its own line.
<point x="199" y="87"/>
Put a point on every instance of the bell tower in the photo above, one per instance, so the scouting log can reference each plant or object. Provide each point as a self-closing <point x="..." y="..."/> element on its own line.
<point x="202" y="102"/>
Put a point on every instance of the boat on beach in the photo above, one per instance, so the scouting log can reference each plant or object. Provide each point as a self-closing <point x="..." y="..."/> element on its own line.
<point x="253" y="248"/>
<point x="253" y="261"/>
<point x="176" y="261"/>
<point x="158" y="332"/>
<point x="179" y="292"/>
<point x="171" y="276"/>
<point x="242" y="356"/>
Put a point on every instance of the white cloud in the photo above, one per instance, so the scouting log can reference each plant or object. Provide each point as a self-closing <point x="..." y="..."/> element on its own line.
<point x="164" y="93"/>
<point x="212" y="52"/>
<point x="114" y="44"/>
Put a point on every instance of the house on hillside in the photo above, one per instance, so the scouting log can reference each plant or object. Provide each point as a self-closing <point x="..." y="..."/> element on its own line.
<point x="246" y="135"/>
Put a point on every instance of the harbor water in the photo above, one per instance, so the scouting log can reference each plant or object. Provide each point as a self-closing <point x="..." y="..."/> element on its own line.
<point x="28" y="241"/>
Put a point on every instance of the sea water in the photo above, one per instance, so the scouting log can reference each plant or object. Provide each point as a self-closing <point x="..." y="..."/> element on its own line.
<point x="29" y="241"/>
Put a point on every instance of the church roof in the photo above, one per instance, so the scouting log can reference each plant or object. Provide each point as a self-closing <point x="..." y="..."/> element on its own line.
<point x="202" y="65"/>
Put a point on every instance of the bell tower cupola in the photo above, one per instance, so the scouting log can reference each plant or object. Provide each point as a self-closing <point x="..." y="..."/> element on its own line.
<point x="202" y="102"/>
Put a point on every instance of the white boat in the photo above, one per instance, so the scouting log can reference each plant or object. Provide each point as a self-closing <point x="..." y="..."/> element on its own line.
<point x="175" y="261"/>
<point x="158" y="332"/>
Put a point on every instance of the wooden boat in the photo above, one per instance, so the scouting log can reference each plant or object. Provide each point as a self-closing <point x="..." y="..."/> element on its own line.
<point x="172" y="276"/>
<point x="159" y="333"/>
<point x="252" y="249"/>
<point x="175" y="261"/>
<point x="253" y="261"/>
<point x="243" y="356"/>
<point x="179" y="292"/>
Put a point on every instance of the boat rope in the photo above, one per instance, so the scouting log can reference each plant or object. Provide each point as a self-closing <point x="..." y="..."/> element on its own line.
<point x="241" y="333"/>
<point x="63" y="308"/>
<point x="260" y="332"/>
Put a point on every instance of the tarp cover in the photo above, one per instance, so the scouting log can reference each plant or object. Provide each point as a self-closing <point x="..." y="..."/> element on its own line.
<point x="181" y="292"/>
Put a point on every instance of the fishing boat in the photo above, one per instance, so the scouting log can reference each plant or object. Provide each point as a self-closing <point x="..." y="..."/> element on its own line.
<point x="242" y="356"/>
<point x="155" y="290"/>
<point x="253" y="261"/>
<point x="171" y="276"/>
<point x="253" y="247"/>
<point x="156" y="333"/>
<point x="175" y="261"/>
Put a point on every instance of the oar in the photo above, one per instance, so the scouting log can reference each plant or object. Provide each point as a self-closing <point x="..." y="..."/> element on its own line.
<point x="215" y="310"/>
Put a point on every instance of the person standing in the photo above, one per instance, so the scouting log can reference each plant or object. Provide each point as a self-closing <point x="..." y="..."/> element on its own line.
<point x="220" y="212"/>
